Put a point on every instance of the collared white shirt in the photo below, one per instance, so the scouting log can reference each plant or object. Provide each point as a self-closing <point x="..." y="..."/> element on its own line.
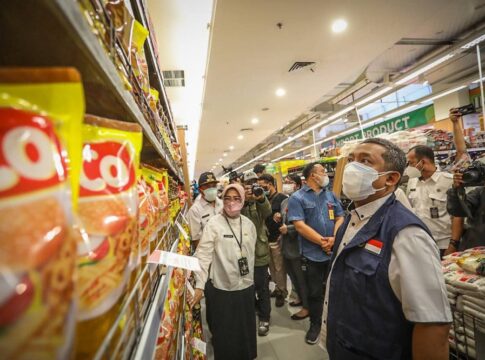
<point x="219" y="251"/>
<point x="431" y="193"/>
<point x="200" y="213"/>
<point x="415" y="273"/>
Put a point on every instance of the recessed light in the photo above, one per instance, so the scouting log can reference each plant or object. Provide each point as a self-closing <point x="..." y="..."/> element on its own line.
<point x="281" y="149"/>
<point x="231" y="147"/>
<point x="339" y="26"/>
<point x="280" y="92"/>
<point x="240" y="137"/>
<point x="254" y="120"/>
<point x="225" y="154"/>
<point x="220" y="159"/>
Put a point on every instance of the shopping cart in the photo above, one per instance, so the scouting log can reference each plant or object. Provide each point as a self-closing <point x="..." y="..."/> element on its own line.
<point x="467" y="336"/>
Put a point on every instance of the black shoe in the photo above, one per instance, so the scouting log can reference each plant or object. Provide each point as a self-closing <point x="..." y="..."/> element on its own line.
<point x="313" y="334"/>
<point x="274" y="293"/>
<point x="263" y="328"/>
<point x="280" y="300"/>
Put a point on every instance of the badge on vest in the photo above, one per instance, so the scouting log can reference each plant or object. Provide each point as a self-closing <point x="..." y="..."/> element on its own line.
<point x="374" y="246"/>
<point x="331" y="214"/>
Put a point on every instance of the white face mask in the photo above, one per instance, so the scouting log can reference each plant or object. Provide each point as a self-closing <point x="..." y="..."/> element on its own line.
<point x="288" y="189"/>
<point x="210" y="194"/>
<point x="358" y="179"/>
<point x="412" y="172"/>
<point x="323" y="180"/>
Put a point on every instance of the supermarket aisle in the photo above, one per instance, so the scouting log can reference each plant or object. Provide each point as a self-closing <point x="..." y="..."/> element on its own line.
<point x="286" y="339"/>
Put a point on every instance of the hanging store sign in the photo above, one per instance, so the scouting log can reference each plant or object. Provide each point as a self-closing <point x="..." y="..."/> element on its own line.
<point x="410" y="120"/>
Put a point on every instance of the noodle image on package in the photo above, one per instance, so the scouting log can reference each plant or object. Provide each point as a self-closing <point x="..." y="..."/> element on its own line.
<point x="41" y="113"/>
<point x="108" y="208"/>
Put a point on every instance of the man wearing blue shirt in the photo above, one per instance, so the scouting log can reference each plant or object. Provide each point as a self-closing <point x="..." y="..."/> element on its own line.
<point x="316" y="214"/>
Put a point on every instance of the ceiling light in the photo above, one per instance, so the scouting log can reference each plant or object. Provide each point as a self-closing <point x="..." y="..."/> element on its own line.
<point x="474" y="42"/>
<point x="339" y="26"/>
<point x="240" y="137"/>
<point x="231" y="147"/>
<point x="225" y="154"/>
<point x="280" y="92"/>
<point x="444" y="94"/>
<point x="281" y="149"/>
<point x="422" y="70"/>
<point x="373" y="96"/>
<point x="254" y="120"/>
<point x="220" y="159"/>
<point x="478" y="80"/>
<point x="290" y="138"/>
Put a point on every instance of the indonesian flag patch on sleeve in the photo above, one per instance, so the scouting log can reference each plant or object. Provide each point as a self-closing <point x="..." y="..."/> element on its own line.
<point x="374" y="246"/>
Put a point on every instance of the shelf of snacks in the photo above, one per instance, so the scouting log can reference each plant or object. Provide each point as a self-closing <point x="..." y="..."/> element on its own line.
<point x="112" y="68"/>
<point x="464" y="274"/>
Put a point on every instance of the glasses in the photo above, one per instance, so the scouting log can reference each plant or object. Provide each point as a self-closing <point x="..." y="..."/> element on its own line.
<point x="229" y="199"/>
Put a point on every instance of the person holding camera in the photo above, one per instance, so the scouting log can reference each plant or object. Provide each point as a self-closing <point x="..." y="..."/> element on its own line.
<point x="257" y="208"/>
<point x="461" y="203"/>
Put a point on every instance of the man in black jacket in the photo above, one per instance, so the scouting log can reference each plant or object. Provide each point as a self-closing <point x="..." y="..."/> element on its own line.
<point x="273" y="224"/>
<point x="472" y="206"/>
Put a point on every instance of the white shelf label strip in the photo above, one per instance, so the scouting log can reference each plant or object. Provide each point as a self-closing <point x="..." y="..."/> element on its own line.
<point x="175" y="260"/>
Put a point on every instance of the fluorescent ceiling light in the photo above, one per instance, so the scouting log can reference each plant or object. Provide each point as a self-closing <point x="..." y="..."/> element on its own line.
<point x="254" y="120"/>
<point x="444" y="94"/>
<point x="280" y="92"/>
<point x="474" y="42"/>
<point x="478" y="80"/>
<point x="240" y="137"/>
<point x="373" y="96"/>
<point x="339" y="25"/>
<point x="422" y="70"/>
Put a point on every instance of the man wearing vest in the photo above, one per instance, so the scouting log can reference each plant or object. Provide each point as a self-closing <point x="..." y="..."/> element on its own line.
<point x="386" y="296"/>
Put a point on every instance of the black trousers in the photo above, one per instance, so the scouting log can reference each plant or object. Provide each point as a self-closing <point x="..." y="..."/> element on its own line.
<point x="261" y="285"/>
<point x="315" y="275"/>
<point x="293" y="268"/>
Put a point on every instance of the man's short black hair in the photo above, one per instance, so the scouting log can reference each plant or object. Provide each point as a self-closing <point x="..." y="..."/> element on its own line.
<point x="258" y="169"/>
<point x="394" y="157"/>
<point x="423" y="151"/>
<point x="308" y="170"/>
<point x="296" y="179"/>
<point x="268" y="178"/>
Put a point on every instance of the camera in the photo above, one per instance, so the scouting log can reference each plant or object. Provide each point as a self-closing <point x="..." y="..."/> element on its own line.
<point x="467" y="109"/>
<point x="257" y="190"/>
<point x="474" y="175"/>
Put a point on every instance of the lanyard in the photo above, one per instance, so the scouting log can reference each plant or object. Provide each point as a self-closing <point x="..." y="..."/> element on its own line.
<point x="239" y="242"/>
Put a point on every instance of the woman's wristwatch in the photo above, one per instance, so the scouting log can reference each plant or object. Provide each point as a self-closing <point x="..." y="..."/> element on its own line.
<point x="455" y="243"/>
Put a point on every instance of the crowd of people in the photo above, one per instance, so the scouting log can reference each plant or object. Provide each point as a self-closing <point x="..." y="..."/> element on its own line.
<point x="368" y="277"/>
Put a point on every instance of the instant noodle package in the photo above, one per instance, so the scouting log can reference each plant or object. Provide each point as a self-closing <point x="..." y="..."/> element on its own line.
<point x="41" y="113"/>
<point x="108" y="207"/>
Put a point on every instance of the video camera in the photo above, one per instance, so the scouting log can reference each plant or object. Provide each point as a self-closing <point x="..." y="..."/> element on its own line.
<point x="467" y="109"/>
<point x="474" y="175"/>
<point x="257" y="190"/>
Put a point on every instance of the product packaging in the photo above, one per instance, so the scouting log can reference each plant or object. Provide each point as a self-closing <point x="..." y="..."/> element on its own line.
<point x="108" y="207"/>
<point x="41" y="112"/>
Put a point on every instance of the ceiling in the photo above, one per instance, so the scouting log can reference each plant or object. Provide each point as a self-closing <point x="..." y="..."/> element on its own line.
<point x="249" y="58"/>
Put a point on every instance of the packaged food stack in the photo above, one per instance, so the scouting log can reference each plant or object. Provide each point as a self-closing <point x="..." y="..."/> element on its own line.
<point x="440" y="140"/>
<point x="480" y="139"/>
<point x="41" y="113"/>
<point x="108" y="248"/>
<point x="464" y="274"/>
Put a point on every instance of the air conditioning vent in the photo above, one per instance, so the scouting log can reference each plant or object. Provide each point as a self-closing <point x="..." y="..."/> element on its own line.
<point x="301" y="65"/>
<point x="174" y="78"/>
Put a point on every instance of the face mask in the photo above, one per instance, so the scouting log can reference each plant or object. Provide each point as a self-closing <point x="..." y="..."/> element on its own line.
<point x="412" y="172"/>
<point x="358" y="179"/>
<point x="210" y="194"/>
<point x="233" y="208"/>
<point x="322" y="181"/>
<point x="288" y="189"/>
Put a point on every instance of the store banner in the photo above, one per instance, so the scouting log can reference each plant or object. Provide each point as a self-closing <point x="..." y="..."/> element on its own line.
<point x="410" y="120"/>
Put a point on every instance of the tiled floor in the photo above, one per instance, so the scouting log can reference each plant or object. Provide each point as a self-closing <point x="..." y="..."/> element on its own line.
<point x="286" y="338"/>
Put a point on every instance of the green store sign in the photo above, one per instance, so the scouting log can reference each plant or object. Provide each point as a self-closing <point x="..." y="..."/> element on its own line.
<point x="410" y="120"/>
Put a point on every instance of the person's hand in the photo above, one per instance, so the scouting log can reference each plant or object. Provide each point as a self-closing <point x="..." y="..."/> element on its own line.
<point x="277" y="217"/>
<point x="327" y="244"/>
<point x="457" y="180"/>
<point x="451" y="249"/>
<point x="248" y="193"/>
<point x="455" y="115"/>
<point x="194" y="300"/>
<point x="283" y="229"/>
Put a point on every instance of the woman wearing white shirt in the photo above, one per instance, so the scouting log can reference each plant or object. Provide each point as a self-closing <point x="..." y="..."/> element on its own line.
<point x="226" y="256"/>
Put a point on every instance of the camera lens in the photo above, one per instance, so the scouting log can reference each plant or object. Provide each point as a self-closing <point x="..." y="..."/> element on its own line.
<point x="471" y="176"/>
<point x="258" y="191"/>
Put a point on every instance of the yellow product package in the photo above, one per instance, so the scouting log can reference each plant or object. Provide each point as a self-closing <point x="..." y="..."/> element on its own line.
<point x="41" y="112"/>
<point x="108" y="207"/>
<point x="149" y="175"/>
<point x="138" y="59"/>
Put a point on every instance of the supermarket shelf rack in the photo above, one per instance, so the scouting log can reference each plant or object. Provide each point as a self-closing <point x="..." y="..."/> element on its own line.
<point x="58" y="34"/>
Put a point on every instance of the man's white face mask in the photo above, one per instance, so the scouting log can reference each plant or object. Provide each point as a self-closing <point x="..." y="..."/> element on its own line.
<point x="358" y="179"/>
<point x="412" y="171"/>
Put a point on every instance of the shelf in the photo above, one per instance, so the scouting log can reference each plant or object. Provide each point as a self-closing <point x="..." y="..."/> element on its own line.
<point x="56" y="33"/>
<point x="446" y="152"/>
